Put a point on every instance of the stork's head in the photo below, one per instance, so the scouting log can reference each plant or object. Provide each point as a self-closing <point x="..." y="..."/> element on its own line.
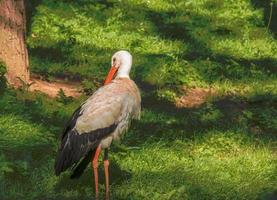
<point x="121" y="65"/>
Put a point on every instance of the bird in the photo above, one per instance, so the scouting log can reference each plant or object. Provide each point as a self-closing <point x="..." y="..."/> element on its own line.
<point x="104" y="117"/>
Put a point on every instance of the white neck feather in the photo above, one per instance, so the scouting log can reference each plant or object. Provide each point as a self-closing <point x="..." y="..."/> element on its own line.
<point x="123" y="71"/>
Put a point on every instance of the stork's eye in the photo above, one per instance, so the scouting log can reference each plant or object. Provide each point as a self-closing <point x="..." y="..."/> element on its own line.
<point x="113" y="59"/>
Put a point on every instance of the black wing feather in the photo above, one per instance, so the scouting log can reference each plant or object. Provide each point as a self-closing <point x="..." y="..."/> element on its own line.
<point x="74" y="146"/>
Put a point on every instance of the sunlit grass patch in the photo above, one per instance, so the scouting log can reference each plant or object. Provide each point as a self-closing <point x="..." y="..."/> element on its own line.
<point x="246" y="47"/>
<point x="215" y="166"/>
<point x="16" y="132"/>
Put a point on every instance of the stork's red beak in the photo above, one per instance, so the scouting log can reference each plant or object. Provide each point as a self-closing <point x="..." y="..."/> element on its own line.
<point x="111" y="74"/>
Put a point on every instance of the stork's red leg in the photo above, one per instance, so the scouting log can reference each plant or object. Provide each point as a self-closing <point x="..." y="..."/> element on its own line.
<point x="95" y="169"/>
<point x="106" y="166"/>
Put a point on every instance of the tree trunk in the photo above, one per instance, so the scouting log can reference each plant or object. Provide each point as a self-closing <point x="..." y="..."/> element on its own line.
<point x="13" y="51"/>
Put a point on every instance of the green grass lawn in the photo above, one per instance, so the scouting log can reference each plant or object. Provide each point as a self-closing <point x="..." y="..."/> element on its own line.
<point x="203" y="43"/>
<point x="223" y="149"/>
<point x="216" y="151"/>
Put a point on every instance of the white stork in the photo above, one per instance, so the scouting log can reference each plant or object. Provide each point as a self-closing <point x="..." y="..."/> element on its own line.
<point x="103" y="117"/>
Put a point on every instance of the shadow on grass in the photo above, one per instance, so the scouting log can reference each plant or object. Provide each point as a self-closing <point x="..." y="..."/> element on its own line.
<point x="198" y="48"/>
<point x="180" y="31"/>
<point x="117" y="176"/>
<point x="254" y="115"/>
<point x="60" y="61"/>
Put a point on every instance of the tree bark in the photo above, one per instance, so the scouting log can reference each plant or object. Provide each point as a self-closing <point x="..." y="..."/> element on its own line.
<point x="13" y="51"/>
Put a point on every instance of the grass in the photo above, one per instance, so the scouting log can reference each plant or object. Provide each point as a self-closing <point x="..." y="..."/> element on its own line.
<point x="223" y="149"/>
<point x="203" y="153"/>
<point x="192" y="43"/>
<point x="215" y="166"/>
